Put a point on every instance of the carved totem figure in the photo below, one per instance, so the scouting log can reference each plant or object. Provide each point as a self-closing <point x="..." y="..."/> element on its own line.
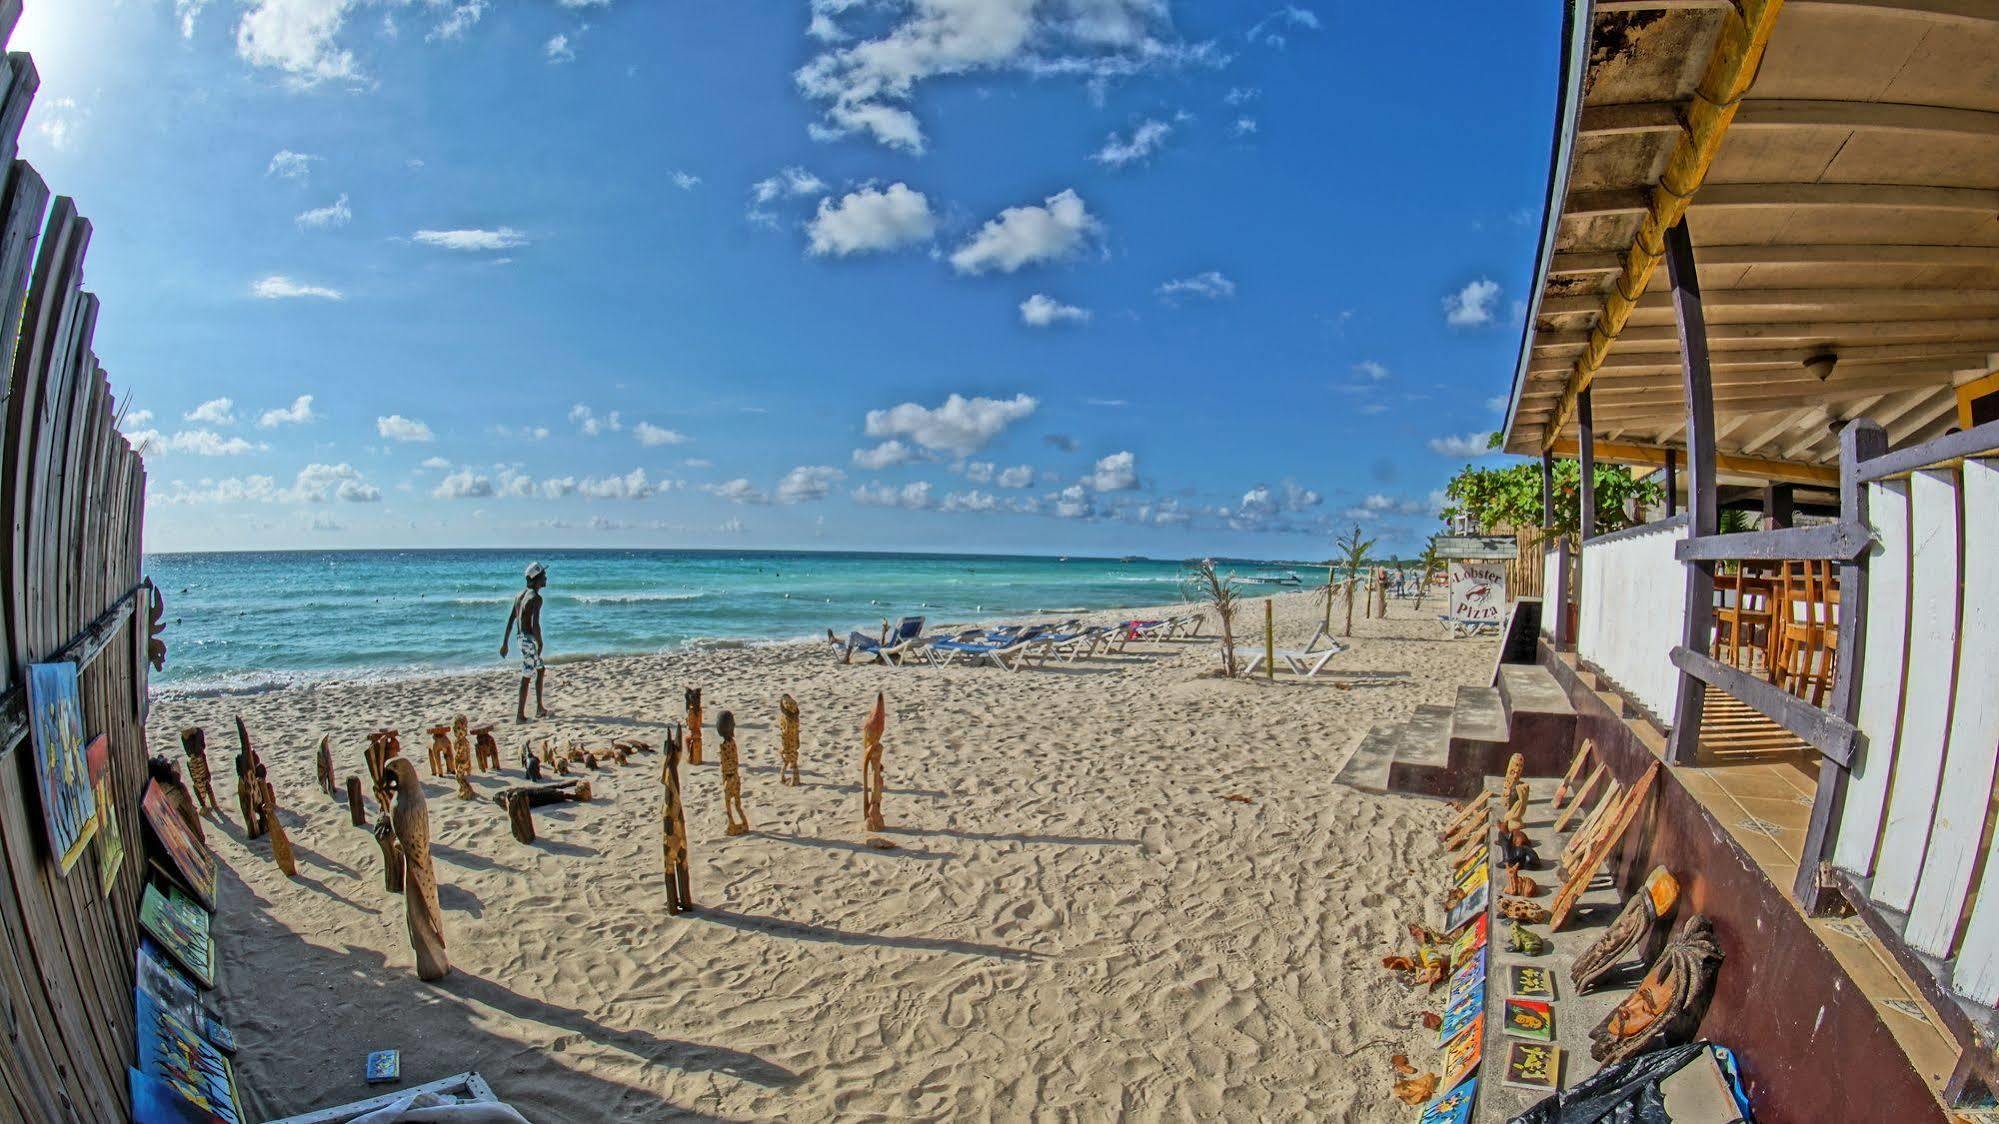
<point x="732" y="777"/>
<point x="872" y="774"/>
<point x="787" y="744"/>
<point x="1515" y="795"/>
<point x="485" y="748"/>
<point x="267" y="806"/>
<point x="247" y="797"/>
<point x="461" y="747"/>
<point x="412" y="823"/>
<point x="520" y="813"/>
<point x="673" y="828"/>
<point x="440" y="749"/>
<point x="383" y="746"/>
<point x="195" y="742"/>
<point x="322" y="765"/>
<point x="694" y="725"/>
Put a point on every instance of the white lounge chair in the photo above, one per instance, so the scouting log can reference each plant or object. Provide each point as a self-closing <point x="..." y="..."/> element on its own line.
<point x="1305" y="664"/>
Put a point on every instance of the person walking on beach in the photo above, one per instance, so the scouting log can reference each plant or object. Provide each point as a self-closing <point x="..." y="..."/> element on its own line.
<point x="527" y="610"/>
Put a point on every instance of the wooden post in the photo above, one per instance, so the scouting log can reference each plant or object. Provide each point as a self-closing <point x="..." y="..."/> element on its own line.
<point x="1672" y="482"/>
<point x="1697" y="380"/>
<point x="1269" y="639"/>
<point x="356" y="811"/>
<point x="1779" y="502"/>
<point x="1859" y="441"/>
<point x="1586" y="451"/>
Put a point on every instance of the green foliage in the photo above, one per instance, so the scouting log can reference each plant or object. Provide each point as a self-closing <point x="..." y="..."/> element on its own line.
<point x="1511" y="496"/>
<point x="1355" y="554"/>
<point x="1427" y="565"/>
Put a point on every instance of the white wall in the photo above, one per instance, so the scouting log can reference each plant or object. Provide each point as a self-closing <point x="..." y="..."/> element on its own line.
<point x="1633" y="611"/>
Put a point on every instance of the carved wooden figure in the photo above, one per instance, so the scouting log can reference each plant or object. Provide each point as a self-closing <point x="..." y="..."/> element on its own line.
<point x="440" y="750"/>
<point x="392" y="856"/>
<point x="673" y="828"/>
<point x="461" y="747"/>
<point x="520" y="813"/>
<point x="530" y="765"/>
<point x="383" y="745"/>
<point x="267" y="805"/>
<point x="547" y="752"/>
<point x="732" y="776"/>
<point x="246" y="785"/>
<point x="787" y="745"/>
<point x="323" y="765"/>
<point x="465" y="788"/>
<point x="356" y="810"/>
<point x="872" y="774"/>
<point x="195" y="742"/>
<point x="694" y="725"/>
<point x="485" y="748"/>
<point x="426" y="920"/>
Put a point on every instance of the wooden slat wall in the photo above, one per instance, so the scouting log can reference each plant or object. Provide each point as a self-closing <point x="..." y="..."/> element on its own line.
<point x="1887" y="647"/>
<point x="72" y="506"/>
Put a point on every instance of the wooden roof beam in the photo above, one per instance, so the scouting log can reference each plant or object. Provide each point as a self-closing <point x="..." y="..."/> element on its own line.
<point x="1950" y="12"/>
<point x="1921" y="197"/>
<point x="1985" y="257"/>
<point x="1782" y="472"/>
<point x="1814" y="298"/>
<point x="1665" y="337"/>
<point x="1790" y="113"/>
<point x="1956" y="353"/>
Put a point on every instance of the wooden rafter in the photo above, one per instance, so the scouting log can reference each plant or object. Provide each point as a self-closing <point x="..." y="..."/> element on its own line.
<point x="1664" y="117"/>
<point x="1882" y="196"/>
<point x="1762" y="468"/>
<point x="1845" y="255"/>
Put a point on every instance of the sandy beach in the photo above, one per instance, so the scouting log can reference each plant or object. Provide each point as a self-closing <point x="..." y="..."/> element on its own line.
<point x="1076" y="923"/>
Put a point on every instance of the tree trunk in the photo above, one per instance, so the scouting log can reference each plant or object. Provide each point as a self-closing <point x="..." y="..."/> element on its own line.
<point x="1350" y="585"/>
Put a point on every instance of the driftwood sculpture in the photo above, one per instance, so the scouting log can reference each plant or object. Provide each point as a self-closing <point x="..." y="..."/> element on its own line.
<point x="195" y="742"/>
<point x="383" y="745"/>
<point x="156" y="608"/>
<point x="520" y="813"/>
<point x="356" y="810"/>
<point x="1515" y="795"/>
<point x="787" y="741"/>
<point x="530" y="764"/>
<point x="412" y="822"/>
<point x="247" y="797"/>
<point x="694" y="725"/>
<point x="732" y="777"/>
<point x="461" y="747"/>
<point x="673" y="829"/>
<point x="1641" y="916"/>
<point x="1667" y="1007"/>
<point x="440" y="749"/>
<point x="392" y="856"/>
<point x="322" y="765"/>
<point x="547" y="751"/>
<point x="873" y="776"/>
<point x="167" y="774"/>
<point x="485" y="748"/>
<point x="267" y="806"/>
<point x="465" y="788"/>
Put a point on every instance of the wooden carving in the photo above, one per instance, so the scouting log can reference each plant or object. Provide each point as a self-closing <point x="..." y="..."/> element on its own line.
<point x="872" y="774"/>
<point x="166" y="774"/>
<point x="1579" y="875"/>
<point x="267" y="805"/>
<point x="246" y="784"/>
<point x="1646" y="910"/>
<point x="1567" y="788"/>
<point x="465" y="788"/>
<point x="356" y="810"/>
<point x="530" y="764"/>
<point x="547" y="751"/>
<point x="485" y="748"/>
<point x="383" y="745"/>
<point x="1516" y="765"/>
<point x="1581" y="795"/>
<point x="323" y="765"/>
<point x="440" y="749"/>
<point x="156" y="607"/>
<point x="673" y="828"/>
<point x="520" y="814"/>
<point x="732" y="777"/>
<point x="392" y="854"/>
<point x="694" y="725"/>
<point x="1516" y="808"/>
<point x="426" y="919"/>
<point x="461" y="747"/>
<point x="195" y="742"/>
<point x="1666" y="1008"/>
<point x="787" y="745"/>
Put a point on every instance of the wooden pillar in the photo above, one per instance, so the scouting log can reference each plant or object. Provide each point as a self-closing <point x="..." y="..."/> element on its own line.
<point x="1697" y="381"/>
<point x="1672" y="482"/>
<point x="1859" y="441"/>
<point x="1778" y="505"/>
<point x="1586" y="455"/>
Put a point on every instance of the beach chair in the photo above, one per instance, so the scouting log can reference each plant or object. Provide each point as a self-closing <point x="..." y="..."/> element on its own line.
<point x="1139" y="630"/>
<point x="1305" y="664"/>
<point x="1007" y="654"/>
<point x="905" y="642"/>
<point x="1073" y="645"/>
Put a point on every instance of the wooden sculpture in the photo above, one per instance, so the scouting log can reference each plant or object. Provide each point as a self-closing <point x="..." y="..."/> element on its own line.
<point x="1567" y="788"/>
<point x="1523" y="910"/>
<point x="1516" y="765"/>
<point x="246" y="784"/>
<point x="694" y="725"/>
<point x="163" y="771"/>
<point x="530" y="764"/>
<point x="440" y="749"/>
<point x="356" y="810"/>
<point x="383" y="745"/>
<point x="156" y="608"/>
<point x="673" y="828"/>
<point x="465" y="788"/>
<point x="872" y="774"/>
<point x="732" y="777"/>
<point x="420" y="908"/>
<point x="1516" y="809"/>
<point x="1518" y="850"/>
<point x="461" y="747"/>
<point x="323" y="765"/>
<point x="194" y="741"/>
<point x="392" y="856"/>
<point x="1600" y="845"/>
<point x="485" y="748"/>
<point x="1667" y="1007"/>
<point x="1641" y="916"/>
<point x="787" y="741"/>
<point x="1519" y="885"/>
<point x="267" y="805"/>
<point x="520" y="814"/>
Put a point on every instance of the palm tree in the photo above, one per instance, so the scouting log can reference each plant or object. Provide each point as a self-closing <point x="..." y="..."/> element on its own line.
<point x="1220" y="592"/>
<point x="1354" y="555"/>
<point x="1428" y="564"/>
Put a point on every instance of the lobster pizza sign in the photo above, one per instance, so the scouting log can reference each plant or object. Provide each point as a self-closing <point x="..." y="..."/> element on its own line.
<point x="1478" y="594"/>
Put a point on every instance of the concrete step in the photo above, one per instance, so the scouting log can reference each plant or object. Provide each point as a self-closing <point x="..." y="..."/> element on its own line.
<point x="1540" y="719"/>
<point x="1367" y="764"/>
<point x="1423" y="764"/>
<point x="1479" y="734"/>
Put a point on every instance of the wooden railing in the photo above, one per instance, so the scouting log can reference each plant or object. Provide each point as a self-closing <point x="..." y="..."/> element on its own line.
<point x="1633" y="626"/>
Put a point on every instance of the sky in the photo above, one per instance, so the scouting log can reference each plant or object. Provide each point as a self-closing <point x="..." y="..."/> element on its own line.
<point x="1013" y="276"/>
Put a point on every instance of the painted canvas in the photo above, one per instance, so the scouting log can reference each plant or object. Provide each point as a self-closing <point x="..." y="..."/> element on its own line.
<point x="180" y="925"/>
<point x="110" y="841"/>
<point x="186" y="858"/>
<point x="180" y="1076"/>
<point x="1453" y="1107"/>
<point x="1532" y="1066"/>
<point x="62" y="772"/>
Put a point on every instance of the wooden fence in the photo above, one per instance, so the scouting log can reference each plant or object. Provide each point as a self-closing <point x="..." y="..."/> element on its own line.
<point x="71" y="500"/>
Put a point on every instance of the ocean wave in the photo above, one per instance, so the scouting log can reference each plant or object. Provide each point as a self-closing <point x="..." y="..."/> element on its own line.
<point x="626" y="598"/>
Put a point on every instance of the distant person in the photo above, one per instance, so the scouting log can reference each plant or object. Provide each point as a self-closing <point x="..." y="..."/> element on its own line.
<point x="527" y="610"/>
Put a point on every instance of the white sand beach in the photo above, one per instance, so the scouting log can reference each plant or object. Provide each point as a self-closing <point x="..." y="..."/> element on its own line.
<point x="1076" y="923"/>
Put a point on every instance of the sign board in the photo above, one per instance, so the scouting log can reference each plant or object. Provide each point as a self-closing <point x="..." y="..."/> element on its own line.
<point x="1478" y="596"/>
<point x="1481" y="548"/>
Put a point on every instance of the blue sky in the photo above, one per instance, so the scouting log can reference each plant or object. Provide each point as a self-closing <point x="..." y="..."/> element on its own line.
<point x="1037" y="276"/>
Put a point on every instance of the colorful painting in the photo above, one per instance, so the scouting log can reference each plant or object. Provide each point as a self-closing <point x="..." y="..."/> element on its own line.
<point x="1468" y="943"/>
<point x="62" y="772"/>
<point x="1530" y="1018"/>
<point x="1530" y="981"/>
<point x="1473" y="905"/>
<point x="180" y="1076"/>
<point x="384" y="1066"/>
<point x="168" y="985"/>
<point x="1533" y="1066"/>
<point x="187" y="858"/>
<point x="1462" y="1054"/>
<point x="1453" y="1107"/>
<point x="110" y="841"/>
<point x="180" y="925"/>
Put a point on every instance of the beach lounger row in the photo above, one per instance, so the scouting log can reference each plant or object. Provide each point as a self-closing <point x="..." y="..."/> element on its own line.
<point x="1009" y="647"/>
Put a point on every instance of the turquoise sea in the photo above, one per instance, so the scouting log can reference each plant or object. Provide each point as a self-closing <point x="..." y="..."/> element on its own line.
<point x="255" y="620"/>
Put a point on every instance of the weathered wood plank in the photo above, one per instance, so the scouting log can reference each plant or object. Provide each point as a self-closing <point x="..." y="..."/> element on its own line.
<point x="1703" y="514"/>
<point x="1828" y="733"/>
<point x="1927" y="689"/>
<point x="1835" y="542"/>
<point x="1882" y="665"/>
<point x="1978" y="441"/>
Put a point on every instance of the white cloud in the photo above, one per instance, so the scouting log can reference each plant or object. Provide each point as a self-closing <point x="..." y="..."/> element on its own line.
<point x="652" y="436"/>
<point x="1143" y="142"/>
<point x="458" y="20"/>
<point x="686" y="181"/>
<point x="1263" y="503"/>
<point x="277" y="287"/>
<point x="290" y="165"/>
<point x="1377" y="506"/>
<point x="199" y="442"/>
<point x="1289" y="16"/>
<point x="1239" y="95"/>
<point x="973" y="500"/>
<point x="1472" y="305"/>
<point x="558" y="50"/>
<point x="320" y="483"/>
<point x="296" y="36"/>
<point x="632" y="485"/>
<point x="1210" y="285"/>
<point x="298" y="413"/>
<point x="186" y="12"/>
<point x="435" y="464"/>
<point x="915" y="496"/>
<point x="333" y="214"/>
<point x="1244" y="127"/>
<point x="1019" y="476"/>
<point x="871" y="220"/>
<point x="1041" y="311"/>
<point x="138" y="418"/>
<point x="730" y="526"/>
<point x="1029" y="235"/>
<point x="591" y="424"/>
<point x="57" y="120"/>
<point x="738" y="490"/>
<point x="1469" y="445"/>
<point x="884" y="455"/>
<point x="697" y="462"/>
<point x="1072" y="502"/>
<point x="215" y="411"/>
<point x="978" y="472"/>
<point x="808" y="482"/>
<point x="792" y="181"/>
<point x="1115" y="473"/>
<point x="464" y="484"/>
<point x="472" y="241"/>
<point x="961" y="426"/>
<point x="1370" y="370"/>
<point x="396" y="427"/>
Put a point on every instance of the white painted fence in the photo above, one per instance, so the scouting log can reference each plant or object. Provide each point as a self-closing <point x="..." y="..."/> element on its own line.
<point x="1551" y="589"/>
<point x="1633" y="599"/>
<point x="1914" y="823"/>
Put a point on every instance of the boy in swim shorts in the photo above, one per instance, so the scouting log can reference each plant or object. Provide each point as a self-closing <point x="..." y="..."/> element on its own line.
<point x="527" y="610"/>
